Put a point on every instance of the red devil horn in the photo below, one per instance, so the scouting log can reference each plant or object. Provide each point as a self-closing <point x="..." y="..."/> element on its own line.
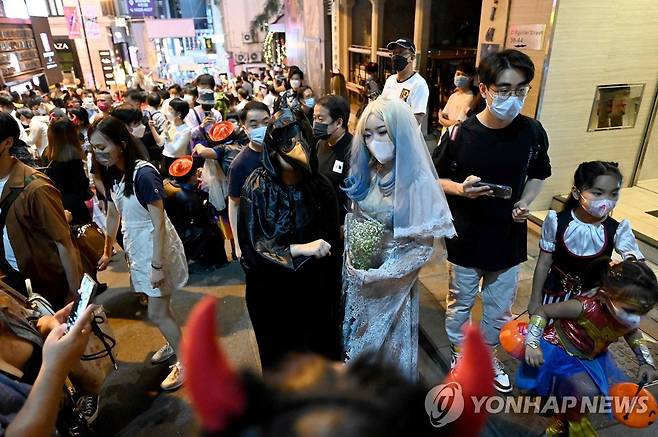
<point x="474" y="372"/>
<point x="215" y="390"/>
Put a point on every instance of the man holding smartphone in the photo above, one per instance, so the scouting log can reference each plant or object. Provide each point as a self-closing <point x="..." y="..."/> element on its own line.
<point x="507" y="150"/>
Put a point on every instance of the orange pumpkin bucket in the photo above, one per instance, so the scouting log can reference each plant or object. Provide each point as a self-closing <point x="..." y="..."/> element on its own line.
<point x="512" y="338"/>
<point x="633" y="406"/>
<point x="221" y="131"/>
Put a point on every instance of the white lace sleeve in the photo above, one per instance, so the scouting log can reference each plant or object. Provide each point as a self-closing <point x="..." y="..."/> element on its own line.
<point x="549" y="233"/>
<point x="625" y="243"/>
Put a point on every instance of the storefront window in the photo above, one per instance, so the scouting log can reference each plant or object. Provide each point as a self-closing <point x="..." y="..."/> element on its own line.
<point x="615" y="106"/>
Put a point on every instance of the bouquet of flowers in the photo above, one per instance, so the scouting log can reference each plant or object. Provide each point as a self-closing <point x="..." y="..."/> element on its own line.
<point x="365" y="237"/>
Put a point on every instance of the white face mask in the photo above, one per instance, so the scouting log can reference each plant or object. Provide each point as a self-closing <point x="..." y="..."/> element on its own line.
<point x="189" y="98"/>
<point x="295" y="84"/>
<point x="139" y="130"/>
<point x="598" y="208"/>
<point x="383" y="151"/>
<point x="628" y="319"/>
<point x="506" y="109"/>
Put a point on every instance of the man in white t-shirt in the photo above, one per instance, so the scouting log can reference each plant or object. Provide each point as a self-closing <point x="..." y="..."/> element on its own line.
<point x="407" y="84"/>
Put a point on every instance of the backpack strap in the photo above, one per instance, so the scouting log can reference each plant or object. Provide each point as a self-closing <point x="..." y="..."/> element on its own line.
<point x="447" y="147"/>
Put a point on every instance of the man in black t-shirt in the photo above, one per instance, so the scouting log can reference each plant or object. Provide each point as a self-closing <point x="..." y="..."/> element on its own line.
<point x="497" y="146"/>
<point x="330" y="117"/>
<point x="255" y="116"/>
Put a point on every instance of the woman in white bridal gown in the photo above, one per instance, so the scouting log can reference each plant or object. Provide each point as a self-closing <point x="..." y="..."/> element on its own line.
<point x="399" y="210"/>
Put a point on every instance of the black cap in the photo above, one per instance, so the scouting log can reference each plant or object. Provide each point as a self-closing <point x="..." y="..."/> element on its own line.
<point x="405" y="43"/>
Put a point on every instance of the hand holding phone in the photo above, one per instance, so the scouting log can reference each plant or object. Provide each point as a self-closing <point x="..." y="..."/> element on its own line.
<point x="82" y="300"/>
<point x="470" y="191"/>
<point x="499" y="191"/>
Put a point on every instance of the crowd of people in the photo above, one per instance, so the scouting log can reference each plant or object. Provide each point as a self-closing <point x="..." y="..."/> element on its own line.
<point x="331" y="228"/>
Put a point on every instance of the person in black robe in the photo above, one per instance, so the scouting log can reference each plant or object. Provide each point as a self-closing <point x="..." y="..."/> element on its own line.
<point x="289" y="224"/>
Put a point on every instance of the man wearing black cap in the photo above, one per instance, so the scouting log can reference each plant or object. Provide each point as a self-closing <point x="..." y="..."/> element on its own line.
<point x="407" y="84"/>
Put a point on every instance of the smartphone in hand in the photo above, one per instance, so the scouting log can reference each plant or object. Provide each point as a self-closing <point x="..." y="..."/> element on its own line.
<point x="82" y="300"/>
<point x="499" y="191"/>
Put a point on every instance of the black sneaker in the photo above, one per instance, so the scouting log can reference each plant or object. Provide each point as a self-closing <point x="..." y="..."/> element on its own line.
<point x="87" y="406"/>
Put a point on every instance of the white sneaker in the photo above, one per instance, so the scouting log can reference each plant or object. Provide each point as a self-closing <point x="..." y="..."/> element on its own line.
<point x="174" y="379"/>
<point x="502" y="382"/>
<point x="163" y="354"/>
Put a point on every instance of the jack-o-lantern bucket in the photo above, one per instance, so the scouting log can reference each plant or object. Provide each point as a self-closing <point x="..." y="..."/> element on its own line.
<point x="634" y="411"/>
<point x="512" y="338"/>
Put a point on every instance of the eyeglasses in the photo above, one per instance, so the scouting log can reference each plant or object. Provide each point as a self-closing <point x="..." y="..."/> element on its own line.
<point x="505" y="92"/>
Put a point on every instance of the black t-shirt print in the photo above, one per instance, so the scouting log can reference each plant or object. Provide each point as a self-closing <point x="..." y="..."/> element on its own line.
<point x="334" y="163"/>
<point x="487" y="236"/>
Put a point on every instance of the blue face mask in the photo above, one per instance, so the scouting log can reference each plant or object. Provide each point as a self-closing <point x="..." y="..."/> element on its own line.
<point x="310" y="102"/>
<point x="506" y="109"/>
<point x="257" y="135"/>
<point x="461" y="81"/>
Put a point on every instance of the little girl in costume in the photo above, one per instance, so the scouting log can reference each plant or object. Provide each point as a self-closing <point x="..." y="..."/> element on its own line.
<point x="570" y="358"/>
<point x="583" y="232"/>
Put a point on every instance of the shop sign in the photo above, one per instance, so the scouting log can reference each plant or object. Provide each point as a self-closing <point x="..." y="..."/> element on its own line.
<point x="61" y="46"/>
<point x="526" y="36"/>
<point x="47" y="48"/>
<point x="90" y="14"/>
<point x="107" y="66"/>
<point x="73" y="21"/>
<point x="141" y="8"/>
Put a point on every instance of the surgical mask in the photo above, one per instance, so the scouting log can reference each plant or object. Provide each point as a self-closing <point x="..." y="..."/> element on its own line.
<point x="399" y="62"/>
<point x="383" y="151"/>
<point x="88" y="103"/>
<point x="257" y="135"/>
<point x="310" y="102"/>
<point x="105" y="157"/>
<point x="139" y="130"/>
<point x="295" y="84"/>
<point x="506" y="109"/>
<point x="628" y="319"/>
<point x="461" y="81"/>
<point x="189" y="98"/>
<point x="320" y="131"/>
<point x="598" y="208"/>
<point x="103" y="106"/>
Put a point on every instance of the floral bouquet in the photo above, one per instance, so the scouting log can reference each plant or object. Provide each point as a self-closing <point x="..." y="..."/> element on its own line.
<point x="365" y="238"/>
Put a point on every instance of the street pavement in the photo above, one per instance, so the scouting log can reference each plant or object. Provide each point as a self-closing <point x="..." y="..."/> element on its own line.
<point x="133" y="405"/>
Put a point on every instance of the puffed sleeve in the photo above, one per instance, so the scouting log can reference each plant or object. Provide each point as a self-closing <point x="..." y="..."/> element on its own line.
<point x="625" y="243"/>
<point x="549" y="233"/>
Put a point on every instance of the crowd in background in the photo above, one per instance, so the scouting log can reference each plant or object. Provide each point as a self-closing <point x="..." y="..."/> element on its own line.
<point x="325" y="222"/>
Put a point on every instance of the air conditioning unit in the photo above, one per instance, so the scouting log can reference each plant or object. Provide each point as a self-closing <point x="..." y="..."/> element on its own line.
<point x="249" y="38"/>
<point x="242" y="58"/>
<point x="256" y="57"/>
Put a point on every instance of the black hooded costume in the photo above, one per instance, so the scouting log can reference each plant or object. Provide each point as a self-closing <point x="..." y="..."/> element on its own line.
<point x="293" y="303"/>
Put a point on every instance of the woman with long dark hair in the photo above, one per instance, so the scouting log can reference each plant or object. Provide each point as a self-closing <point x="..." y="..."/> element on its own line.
<point x="66" y="168"/>
<point x="135" y="195"/>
